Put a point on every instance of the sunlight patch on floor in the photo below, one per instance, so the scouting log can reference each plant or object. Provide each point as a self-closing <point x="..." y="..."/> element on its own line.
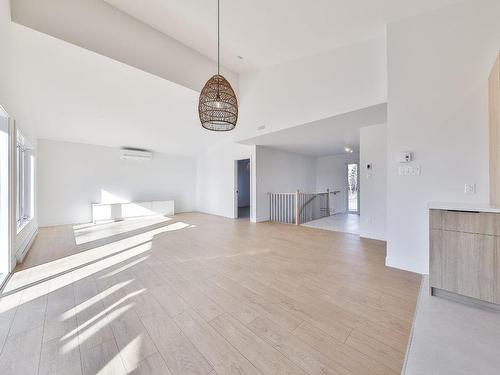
<point x="85" y="233"/>
<point x="90" y="261"/>
<point x="93" y="326"/>
<point x="131" y="353"/>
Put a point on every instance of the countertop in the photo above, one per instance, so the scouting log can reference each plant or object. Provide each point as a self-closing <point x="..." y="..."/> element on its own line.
<point x="473" y="207"/>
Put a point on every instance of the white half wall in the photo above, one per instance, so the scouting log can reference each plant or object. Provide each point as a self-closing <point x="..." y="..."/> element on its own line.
<point x="281" y="172"/>
<point x="438" y="68"/>
<point x="331" y="174"/>
<point x="216" y="179"/>
<point x="373" y="181"/>
<point x="71" y="176"/>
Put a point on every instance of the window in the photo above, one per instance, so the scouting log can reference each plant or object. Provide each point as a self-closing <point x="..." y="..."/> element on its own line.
<point x="352" y="188"/>
<point x="25" y="162"/>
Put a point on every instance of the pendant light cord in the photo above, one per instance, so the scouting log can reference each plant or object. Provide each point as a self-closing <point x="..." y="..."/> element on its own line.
<point x="218" y="36"/>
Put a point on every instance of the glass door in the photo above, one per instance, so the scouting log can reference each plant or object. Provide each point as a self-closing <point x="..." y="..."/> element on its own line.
<point x="353" y="188"/>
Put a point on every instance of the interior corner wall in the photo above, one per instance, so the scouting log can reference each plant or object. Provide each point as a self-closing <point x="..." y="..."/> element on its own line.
<point x="373" y="181"/>
<point x="281" y="172"/>
<point x="71" y="176"/>
<point x="216" y="179"/>
<point x="438" y="68"/>
<point x="331" y="174"/>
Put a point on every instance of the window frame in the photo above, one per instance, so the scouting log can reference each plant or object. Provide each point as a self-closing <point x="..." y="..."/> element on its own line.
<point x="25" y="182"/>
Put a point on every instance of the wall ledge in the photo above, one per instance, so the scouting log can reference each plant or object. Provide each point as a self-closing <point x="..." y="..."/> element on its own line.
<point x="406" y="264"/>
<point x="24" y="241"/>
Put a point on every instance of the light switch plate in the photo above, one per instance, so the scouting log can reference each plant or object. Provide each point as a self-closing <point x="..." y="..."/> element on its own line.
<point x="409" y="170"/>
<point x="470" y="188"/>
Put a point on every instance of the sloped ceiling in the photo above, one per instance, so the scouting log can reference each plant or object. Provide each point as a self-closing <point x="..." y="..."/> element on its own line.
<point x="267" y="32"/>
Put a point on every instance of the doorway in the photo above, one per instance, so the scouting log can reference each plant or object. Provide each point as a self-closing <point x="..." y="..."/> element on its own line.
<point x="243" y="188"/>
<point x="352" y="188"/>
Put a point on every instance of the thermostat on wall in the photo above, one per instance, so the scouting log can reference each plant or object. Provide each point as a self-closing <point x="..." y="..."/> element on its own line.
<point x="405" y="156"/>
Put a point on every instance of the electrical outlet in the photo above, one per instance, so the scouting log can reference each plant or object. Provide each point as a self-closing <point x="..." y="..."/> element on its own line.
<point x="470" y="188"/>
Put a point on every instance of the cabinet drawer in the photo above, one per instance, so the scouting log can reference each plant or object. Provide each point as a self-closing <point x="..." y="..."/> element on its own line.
<point x="465" y="263"/>
<point x="461" y="221"/>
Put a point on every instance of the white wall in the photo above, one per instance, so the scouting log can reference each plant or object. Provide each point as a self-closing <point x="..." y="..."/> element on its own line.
<point x="13" y="104"/>
<point x="313" y="88"/>
<point x="216" y="179"/>
<point x="71" y="176"/>
<point x="280" y="171"/>
<point x="373" y="182"/>
<point x="331" y="174"/>
<point x="438" y="67"/>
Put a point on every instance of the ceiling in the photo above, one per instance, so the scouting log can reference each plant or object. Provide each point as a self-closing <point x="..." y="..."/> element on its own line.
<point x="267" y="32"/>
<point x="72" y="94"/>
<point x="324" y="137"/>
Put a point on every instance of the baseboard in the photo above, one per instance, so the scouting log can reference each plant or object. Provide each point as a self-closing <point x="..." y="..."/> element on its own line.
<point x="214" y="214"/>
<point x="470" y="301"/>
<point x="261" y="219"/>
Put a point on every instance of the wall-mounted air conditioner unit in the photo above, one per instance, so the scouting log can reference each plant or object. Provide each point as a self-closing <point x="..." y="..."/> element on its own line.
<point x="135" y="154"/>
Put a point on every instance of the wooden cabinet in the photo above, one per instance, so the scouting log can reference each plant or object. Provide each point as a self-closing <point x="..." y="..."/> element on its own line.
<point x="464" y="253"/>
<point x="464" y="221"/>
<point x="465" y="245"/>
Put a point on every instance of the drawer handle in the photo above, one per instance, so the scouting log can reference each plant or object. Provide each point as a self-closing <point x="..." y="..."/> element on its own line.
<point x="469" y="212"/>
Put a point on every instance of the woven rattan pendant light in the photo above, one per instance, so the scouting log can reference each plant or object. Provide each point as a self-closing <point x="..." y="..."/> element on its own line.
<point x="218" y="106"/>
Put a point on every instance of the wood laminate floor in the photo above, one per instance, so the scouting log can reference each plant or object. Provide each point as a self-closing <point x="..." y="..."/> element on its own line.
<point x="199" y="294"/>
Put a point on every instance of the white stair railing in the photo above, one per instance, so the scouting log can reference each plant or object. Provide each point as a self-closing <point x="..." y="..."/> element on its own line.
<point x="282" y="207"/>
<point x="297" y="208"/>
